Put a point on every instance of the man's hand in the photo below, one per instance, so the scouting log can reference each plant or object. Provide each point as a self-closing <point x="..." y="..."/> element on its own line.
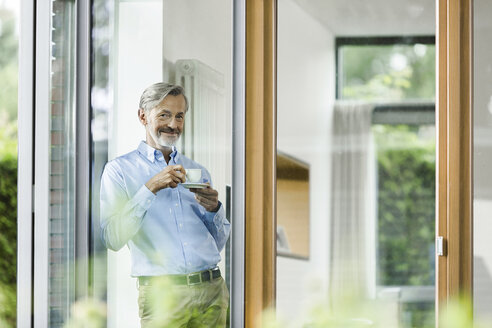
<point x="207" y="197"/>
<point x="167" y="178"/>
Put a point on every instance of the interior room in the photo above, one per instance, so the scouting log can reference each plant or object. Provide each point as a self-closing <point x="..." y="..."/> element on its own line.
<point x="312" y="84"/>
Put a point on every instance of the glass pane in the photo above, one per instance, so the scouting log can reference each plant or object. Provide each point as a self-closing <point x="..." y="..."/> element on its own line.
<point x="9" y="40"/>
<point x="405" y="218"/>
<point x="388" y="72"/>
<point x="146" y="228"/>
<point x="355" y="164"/>
<point x="62" y="159"/>
<point x="482" y="157"/>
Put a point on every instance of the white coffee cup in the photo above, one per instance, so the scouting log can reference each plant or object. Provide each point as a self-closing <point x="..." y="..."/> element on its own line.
<point x="193" y="175"/>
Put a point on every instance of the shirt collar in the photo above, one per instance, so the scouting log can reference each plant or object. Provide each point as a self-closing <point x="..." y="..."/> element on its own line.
<point x="153" y="154"/>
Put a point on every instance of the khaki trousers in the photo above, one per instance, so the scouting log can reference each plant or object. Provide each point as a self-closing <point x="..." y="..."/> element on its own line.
<point x="163" y="304"/>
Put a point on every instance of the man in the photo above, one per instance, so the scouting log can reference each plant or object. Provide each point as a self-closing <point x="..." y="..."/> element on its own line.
<point x="174" y="234"/>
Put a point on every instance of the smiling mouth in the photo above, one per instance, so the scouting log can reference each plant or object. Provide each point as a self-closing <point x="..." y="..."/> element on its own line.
<point x="172" y="134"/>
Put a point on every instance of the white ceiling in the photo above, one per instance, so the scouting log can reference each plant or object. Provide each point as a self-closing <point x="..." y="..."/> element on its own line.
<point x="373" y="17"/>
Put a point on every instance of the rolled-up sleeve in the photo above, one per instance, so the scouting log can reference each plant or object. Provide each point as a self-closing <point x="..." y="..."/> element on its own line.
<point x="121" y="214"/>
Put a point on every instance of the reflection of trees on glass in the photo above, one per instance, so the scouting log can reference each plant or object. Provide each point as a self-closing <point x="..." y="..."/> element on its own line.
<point x="8" y="167"/>
<point x="406" y="198"/>
<point x="8" y="240"/>
<point x="101" y="46"/>
<point x="375" y="70"/>
<point x="391" y="72"/>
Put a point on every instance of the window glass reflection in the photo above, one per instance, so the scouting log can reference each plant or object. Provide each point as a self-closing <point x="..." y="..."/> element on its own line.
<point x="373" y="71"/>
<point x="405" y="218"/>
<point x="364" y="82"/>
<point x="161" y="102"/>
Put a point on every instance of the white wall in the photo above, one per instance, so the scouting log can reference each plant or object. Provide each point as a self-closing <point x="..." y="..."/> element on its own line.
<point x="306" y="91"/>
<point x="139" y="64"/>
<point x="202" y="30"/>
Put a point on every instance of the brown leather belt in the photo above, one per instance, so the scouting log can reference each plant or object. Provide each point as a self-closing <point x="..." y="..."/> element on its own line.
<point x="190" y="279"/>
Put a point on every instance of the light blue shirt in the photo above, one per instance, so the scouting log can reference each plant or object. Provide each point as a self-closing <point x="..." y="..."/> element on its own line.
<point x="167" y="233"/>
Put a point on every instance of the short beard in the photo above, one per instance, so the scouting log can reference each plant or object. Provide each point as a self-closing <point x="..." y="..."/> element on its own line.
<point x="161" y="141"/>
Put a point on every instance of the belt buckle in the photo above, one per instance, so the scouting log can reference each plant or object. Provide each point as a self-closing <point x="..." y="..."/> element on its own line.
<point x="190" y="283"/>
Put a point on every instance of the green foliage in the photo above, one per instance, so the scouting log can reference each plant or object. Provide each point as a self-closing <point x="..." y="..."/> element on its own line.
<point x="7" y="305"/>
<point x="405" y="165"/>
<point x="406" y="212"/>
<point x="8" y="140"/>
<point x="418" y="314"/>
<point x="406" y="206"/>
<point x="8" y="239"/>
<point x="8" y="220"/>
<point x="372" y="72"/>
<point x="8" y="167"/>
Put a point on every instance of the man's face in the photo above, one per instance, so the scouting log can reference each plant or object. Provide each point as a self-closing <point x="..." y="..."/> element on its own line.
<point x="165" y="122"/>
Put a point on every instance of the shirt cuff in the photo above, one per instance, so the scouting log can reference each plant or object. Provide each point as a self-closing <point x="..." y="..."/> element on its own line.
<point x="216" y="217"/>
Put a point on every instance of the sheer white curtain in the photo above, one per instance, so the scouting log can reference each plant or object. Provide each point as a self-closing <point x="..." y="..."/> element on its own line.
<point x="353" y="223"/>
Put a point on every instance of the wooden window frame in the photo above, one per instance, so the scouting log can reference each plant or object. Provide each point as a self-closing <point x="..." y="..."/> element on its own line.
<point x="454" y="209"/>
<point x="454" y="106"/>
<point x="260" y="163"/>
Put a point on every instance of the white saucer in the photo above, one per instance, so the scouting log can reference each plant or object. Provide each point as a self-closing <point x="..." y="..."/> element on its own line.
<point x="197" y="185"/>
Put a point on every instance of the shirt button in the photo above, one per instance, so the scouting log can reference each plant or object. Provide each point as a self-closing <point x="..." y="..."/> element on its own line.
<point x="186" y="244"/>
<point x="177" y="204"/>
<point x="180" y="225"/>
<point x="148" y="201"/>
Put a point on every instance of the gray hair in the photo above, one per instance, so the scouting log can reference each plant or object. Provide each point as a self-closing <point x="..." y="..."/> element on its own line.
<point x="153" y="95"/>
